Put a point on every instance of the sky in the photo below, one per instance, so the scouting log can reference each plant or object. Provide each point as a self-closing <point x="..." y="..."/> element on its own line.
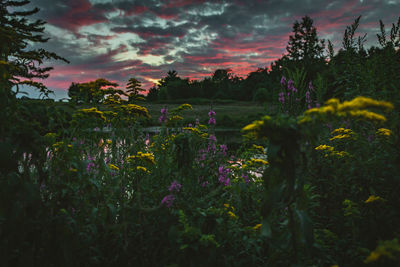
<point x="144" y="39"/>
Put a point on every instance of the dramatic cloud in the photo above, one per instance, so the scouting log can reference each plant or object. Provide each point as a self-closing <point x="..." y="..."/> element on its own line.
<point x="144" y="39"/>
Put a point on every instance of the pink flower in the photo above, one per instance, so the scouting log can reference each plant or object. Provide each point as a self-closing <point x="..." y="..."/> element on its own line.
<point x="168" y="200"/>
<point x="175" y="186"/>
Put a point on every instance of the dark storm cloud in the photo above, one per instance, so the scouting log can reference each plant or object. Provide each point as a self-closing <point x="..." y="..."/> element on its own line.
<point x="194" y="37"/>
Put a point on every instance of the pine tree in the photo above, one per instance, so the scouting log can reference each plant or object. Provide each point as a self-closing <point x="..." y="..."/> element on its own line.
<point x="20" y="64"/>
<point x="304" y="45"/>
<point x="134" y="89"/>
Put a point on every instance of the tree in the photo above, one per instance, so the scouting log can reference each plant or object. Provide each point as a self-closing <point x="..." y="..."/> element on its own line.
<point x="92" y="92"/>
<point x="304" y="44"/>
<point x="20" y="64"/>
<point x="134" y="89"/>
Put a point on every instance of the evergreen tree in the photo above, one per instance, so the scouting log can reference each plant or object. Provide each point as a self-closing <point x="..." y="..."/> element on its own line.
<point x="134" y="89"/>
<point x="20" y="64"/>
<point x="304" y="44"/>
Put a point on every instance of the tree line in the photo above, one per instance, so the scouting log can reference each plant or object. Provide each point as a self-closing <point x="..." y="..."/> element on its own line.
<point x="352" y="70"/>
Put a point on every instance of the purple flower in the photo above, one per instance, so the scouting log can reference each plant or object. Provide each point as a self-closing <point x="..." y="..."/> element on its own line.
<point x="245" y="178"/>
<point x="168" y="200"/>
<point x="283" y="81"/>
<point x="223" y="148"/>
<point x="175" y="186"/>
<point x="291" y="86"/>
<point x="212" y="121"/>
<point x="212" y="138"/>
<point x="310" y="86"/>
<point x="282" y="97"/>
<point x="97" y="129"/>
<point x="89" y="166"/>
<point x="204" y="184"/>
<point x="223" y="175"/>
<point x="197" y="122"/>
<point x="164" y="114"/>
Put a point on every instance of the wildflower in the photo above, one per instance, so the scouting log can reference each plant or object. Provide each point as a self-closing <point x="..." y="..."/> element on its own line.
<point x="373" y="198"/>
<point x="168" y="200"/>
<point x="258" y="161"/>
<point x="226" y="205"/>
<point x="212" y="138"/>
<point x="257" y="227"/>
<point x="340" y="136"/>
<point x="232" y="215"/>
<point x="212" y="121"/>
<point x="143" y="169"/>
<point x="291" y="86"/>
<point x="109" y="141"/>
<point x="211" y="115"/>
<point x="259" y="149"/>
<point x="89" y="167"/>
<point x="245" y="178"/>
<point x="342" y="131"/>
<point x="223" y="175"/>
<point x="282" y="97"/>
<point x="310" y="86"/>
<point x="324" y="147"/>
<point x="164" y="114"/>
<point x="113" y="167"/>
<point x="283" y="81"/>
<point x="223" y="148"/>
<point x="142" y="156"/>
<point x="93" y="112"/>
<point x="383" y="132"/>
<point x="175" y="186"/>
<point x="73" y="170"/>
<point x="385" y="249"/>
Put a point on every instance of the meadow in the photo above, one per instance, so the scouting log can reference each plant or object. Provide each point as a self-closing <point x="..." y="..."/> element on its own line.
<point x="310" y="176"/>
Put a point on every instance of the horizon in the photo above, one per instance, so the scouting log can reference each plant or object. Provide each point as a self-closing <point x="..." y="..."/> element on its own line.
<point x="117" y="40"/>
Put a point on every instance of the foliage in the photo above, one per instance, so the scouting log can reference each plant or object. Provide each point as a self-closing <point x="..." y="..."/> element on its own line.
<point x="310" y="186"/>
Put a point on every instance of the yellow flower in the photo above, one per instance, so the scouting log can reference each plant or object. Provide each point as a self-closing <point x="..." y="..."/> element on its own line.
<point x="226" y="205"/>
<point x="113" y="167"/>
<point x="232" y="215"/>
<point x="324" y="147"/>
<point x="383" y="132"/>
<point x="259" y="149"/>
<point x="257" y="227"/>
<point x="373" y="198"/>
<point x="340" y="136"/>
<point x="142" y="156"/>
<point x="185" y="106"/>
<point x="73" y="170"/>
<point x="58" y="144"/>
<point x="109" y="141"/>
<point x="258" y="161"/>
<point x="342" y="131"/>
<point x="374" y="256"/>
<point x="143" y="169"/>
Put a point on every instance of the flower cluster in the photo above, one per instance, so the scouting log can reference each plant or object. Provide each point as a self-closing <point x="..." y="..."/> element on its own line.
<point x="223" y="177"/>
<point x="383" y="132"/>
<point x="211" y="115"/>
<point x="356" y="108"/>
<point x="168" y="200"/>
<point x="175" y="186"/>
<point x="164" y="115"/>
